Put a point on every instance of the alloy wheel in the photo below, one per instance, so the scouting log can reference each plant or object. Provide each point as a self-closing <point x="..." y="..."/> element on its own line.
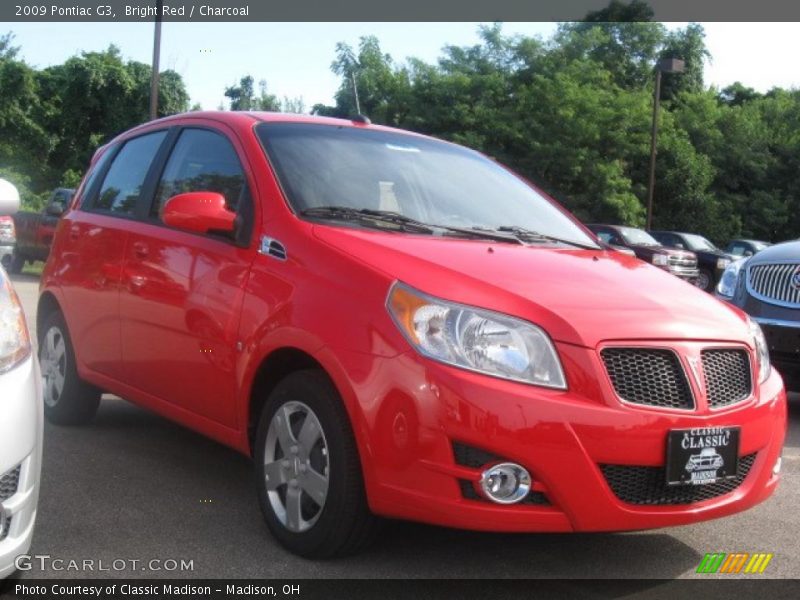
<point x="53" y="361"/>
<point x="296" y="467"/>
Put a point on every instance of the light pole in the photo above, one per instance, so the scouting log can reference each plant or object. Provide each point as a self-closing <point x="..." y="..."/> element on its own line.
<point x="156" y="55"/>
<point x="665" y="65"/>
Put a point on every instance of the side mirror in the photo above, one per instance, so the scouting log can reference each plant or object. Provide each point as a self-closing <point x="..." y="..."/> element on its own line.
<point x="201" y="212"/>
<point x="9" y="198"/>
<point x="55" y="209"/>
<point x="748" y="253"/>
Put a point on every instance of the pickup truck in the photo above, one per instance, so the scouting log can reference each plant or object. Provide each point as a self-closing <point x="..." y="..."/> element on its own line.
<point x="35" y="230"/>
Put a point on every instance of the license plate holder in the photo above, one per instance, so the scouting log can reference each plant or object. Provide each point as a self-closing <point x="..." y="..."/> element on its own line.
<point x="702" y="456"/>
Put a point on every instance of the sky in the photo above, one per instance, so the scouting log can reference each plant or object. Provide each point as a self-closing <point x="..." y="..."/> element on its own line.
<point x="295" y="58"/>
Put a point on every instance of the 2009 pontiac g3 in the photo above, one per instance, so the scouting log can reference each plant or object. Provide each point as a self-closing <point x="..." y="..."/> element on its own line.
<point x="20" y="418"/>
<point x="397" y="326"/>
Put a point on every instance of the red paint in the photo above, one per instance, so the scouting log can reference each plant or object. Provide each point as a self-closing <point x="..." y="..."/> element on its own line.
<point x="180" y="323"/>
<point x="200" y="212"/>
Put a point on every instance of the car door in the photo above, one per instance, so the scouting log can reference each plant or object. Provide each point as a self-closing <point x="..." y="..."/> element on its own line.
<point x="92" y="245"/>
<point x="182" y="292"/>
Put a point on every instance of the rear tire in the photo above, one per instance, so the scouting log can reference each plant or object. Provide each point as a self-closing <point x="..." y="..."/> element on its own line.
<point x="68" y="400"/>
<point x="312" y="496"/>
<point x="17" y="263"/>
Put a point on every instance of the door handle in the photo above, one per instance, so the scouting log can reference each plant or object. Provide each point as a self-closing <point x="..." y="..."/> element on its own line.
<point x="140" y="249"/>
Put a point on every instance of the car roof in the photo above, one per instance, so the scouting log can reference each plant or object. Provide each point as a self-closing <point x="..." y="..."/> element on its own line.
<point x="249" y="118"/>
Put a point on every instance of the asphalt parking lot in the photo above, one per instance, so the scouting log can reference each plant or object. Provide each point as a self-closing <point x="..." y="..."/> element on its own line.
<point x="134" y="486"/>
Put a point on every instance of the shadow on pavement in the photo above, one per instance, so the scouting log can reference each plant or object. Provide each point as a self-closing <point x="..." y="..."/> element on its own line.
<point x="135" y="486"/>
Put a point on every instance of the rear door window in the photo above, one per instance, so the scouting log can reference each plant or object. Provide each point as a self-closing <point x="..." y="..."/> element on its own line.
<point x="123" y="183"/>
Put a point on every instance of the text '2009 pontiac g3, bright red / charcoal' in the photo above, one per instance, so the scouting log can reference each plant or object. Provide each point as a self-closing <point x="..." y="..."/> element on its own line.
<point x="391" y="325"/>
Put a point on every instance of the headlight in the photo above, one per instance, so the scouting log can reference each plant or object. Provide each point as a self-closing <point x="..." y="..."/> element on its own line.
<point x="660" y="260"/>
<point x="15" y="344"/>
<point x="762" y="350"/>
<point x="476" y="339"/>
<point x="723" y="262"/>
<point x="730" y="279"/>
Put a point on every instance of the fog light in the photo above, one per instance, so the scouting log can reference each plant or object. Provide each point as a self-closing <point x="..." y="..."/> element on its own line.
<point x="777" y="468"/>
<point x="506" y="483"/>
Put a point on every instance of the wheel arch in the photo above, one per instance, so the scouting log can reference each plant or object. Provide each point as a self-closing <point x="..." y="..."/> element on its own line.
<point x="47" y="305"/>
<point x="282" y="361"/>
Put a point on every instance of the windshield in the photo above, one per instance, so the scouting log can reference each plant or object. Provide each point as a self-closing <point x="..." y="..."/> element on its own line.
<point x="698" y="242"/>
<point x="637" y="237"/>
<point x="430" y="181"/>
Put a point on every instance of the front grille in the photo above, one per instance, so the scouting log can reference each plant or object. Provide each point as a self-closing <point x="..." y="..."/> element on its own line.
<point x="775" y="283"/>
<point x="682" y="261"/>
<point x="727" y="376"/>
<point x="649" y="376"/>
<point x="5" y="527"/>
<point x="648" y="485"/>
<point x="9" y="483"/>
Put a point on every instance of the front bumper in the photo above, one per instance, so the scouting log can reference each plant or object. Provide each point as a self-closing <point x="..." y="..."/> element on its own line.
<point x="562" y="437"/>
<point x="683" y="273"/>
<point x="21" y="423"/>
<point x="783" y="338"/>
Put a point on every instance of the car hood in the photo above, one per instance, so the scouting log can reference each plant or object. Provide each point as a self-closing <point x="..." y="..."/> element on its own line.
<point x="651" y="250"/>
<point x="578" y="296"/>
<point x="785" y="252"/>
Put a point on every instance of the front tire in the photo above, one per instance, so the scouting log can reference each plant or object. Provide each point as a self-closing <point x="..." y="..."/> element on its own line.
<point x="68" y="400"/>
<point x="704" y="280"/>
<point x="308" y="472"/>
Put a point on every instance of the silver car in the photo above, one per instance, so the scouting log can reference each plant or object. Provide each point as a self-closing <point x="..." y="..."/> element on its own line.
<point x="20" y="418"/>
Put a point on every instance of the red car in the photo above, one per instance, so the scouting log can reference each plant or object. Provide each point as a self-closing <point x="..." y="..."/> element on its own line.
<point x="396" y="326"/>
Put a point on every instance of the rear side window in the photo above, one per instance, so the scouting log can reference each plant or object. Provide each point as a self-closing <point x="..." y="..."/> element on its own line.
<point x="95" y="172"/>
<point x="123" y="182"/>
<point x="201" y="161"/>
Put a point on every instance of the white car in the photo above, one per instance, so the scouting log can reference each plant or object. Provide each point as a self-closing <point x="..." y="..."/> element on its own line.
<point x="21" y="418"/>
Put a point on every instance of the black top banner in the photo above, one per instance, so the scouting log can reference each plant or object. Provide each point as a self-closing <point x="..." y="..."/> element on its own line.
<point x="380" y="10"/>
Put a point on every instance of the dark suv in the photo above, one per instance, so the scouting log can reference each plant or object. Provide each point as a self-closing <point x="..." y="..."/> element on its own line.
<point x="711" y="261"/>
<point x="767" y="287"/>
<point x="678" y="262"/>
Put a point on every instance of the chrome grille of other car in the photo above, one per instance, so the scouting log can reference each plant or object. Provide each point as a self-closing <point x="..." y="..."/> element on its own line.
<point x="650" y="376"/>
<point x="682" y="261"/>
<point x="727" y="376"/>
<point x="775" y="283"/>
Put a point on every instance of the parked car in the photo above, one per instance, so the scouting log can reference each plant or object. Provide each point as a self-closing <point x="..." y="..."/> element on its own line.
<point x="397" y="326"/>
<point x="8" y="238"/>
<point x="20" y="418"/>
<point x="681" y="263"/>
<point x="35" y="230"/>
<point x="711" y="261"/>
<point x="745" y="247"/>
<point x="767" y="287"/>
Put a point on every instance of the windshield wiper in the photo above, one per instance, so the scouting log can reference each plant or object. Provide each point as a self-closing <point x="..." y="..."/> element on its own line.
<point x="528" y="235"/>
<point x="347" y="213"/>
